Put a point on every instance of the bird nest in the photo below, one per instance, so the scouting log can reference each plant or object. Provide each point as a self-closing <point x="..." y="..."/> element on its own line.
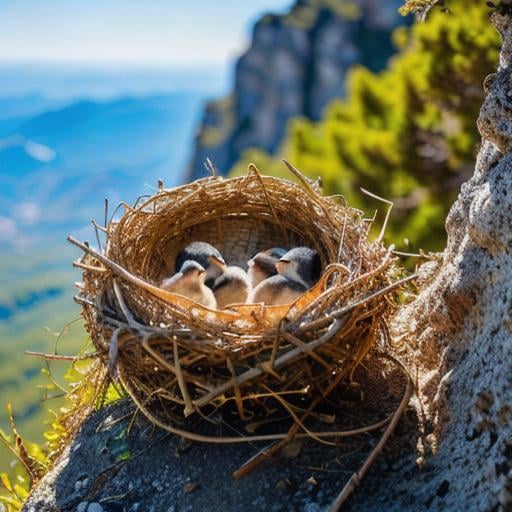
<point x="180" y="361"/>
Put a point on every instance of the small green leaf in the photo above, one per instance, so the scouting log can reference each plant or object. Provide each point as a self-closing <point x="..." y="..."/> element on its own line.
<point x="5" y="480"/>
<point x="126" y="455"/>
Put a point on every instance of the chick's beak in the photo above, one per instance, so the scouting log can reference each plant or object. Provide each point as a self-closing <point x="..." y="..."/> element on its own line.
<point x="216" y="262"/>
<point x="281" y="265"/>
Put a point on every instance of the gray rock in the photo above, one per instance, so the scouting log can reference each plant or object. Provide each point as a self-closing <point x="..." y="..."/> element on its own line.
<point x="153" y="478"/>
<point x="460" y="331"/>
<point x="95" y="507"/>
<point x="295" y="66"/>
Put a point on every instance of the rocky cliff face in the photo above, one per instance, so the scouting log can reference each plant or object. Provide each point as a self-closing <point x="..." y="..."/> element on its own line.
<point x="295" y="65"/>
<point x="460" y="333"/>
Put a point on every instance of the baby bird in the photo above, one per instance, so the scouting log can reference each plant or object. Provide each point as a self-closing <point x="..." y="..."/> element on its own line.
<point x="200" y="251"/>
<point x="232" y="286"/>
<point x="302" y="265"/>
<point x="299" y="269"/>
<point x="263" y="265"/>
<point x="190" y="282"/>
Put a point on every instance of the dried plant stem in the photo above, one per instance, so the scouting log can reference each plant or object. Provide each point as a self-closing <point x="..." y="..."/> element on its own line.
<point x="60" y="357"/>
<point x="254" y="170"/>
<point x="264" y="455"/>
<point x="312" y="193"/>
<point x="356" y="478"/>
<point x="84" y="266"/>
<point x="285" y="359"/>
<point x="248" y="439"/>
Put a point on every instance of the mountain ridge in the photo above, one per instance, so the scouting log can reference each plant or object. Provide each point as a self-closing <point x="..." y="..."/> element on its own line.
<point x="58" y="166"/>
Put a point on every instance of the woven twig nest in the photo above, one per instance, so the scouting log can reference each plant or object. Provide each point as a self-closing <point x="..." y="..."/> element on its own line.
<point x="179" y="360"/>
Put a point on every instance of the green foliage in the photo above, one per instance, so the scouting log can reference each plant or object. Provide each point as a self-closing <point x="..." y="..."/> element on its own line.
<point x="86" y="388"/>
<point x="420" y="7"/>
<point x="408" y="133"/>
<point x="32" y="462"/>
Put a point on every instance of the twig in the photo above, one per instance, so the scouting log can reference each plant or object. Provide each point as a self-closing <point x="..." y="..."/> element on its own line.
<point x="210" y="167"/>
<point x="322" y="322"/>
<point x="82" y="300"/>
<point x="356" y="478"/>
<point x="264" y="455"/>
<point x="79" y="264"/>
<point x="306" y="349"/>
<point x="252" y="168"/>
<point x="105" y="219"/>
<point x="297" y="420"/>
<point x="310" y="191"/>
<point x="238" y="395"/>
<point x="58" y="357"/>
<point x="281" y="361"/>
<point x="124" y="308"/>
<point x="388" y="213"/>
<point x="247" y="439"/>
<point x="157" y="357"/>
<point x="189" y="406"/>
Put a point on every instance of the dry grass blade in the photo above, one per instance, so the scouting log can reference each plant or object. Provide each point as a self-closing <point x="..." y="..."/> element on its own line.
<point x="357" y="477"/>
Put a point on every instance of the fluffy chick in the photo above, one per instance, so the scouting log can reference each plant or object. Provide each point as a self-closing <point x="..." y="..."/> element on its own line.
<point x="263" y="265"/>
<point x="190" y="282"/>
<point x="301" y="265"/>
<point x="232" y="286"/>
<point x="298" y="270"/>
<point x="200" y="252"/>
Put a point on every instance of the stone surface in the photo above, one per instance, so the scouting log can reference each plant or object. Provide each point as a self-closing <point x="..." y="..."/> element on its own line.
<point x="131" y="466"/>
<point x="295" y="65"/>
<point x="459" y="337"/>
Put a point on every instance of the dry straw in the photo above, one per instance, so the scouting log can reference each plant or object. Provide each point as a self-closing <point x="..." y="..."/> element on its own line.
<point x="179" y="360"/>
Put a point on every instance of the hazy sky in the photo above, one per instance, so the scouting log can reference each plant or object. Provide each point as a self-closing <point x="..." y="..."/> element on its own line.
<point x="153" y="31"/>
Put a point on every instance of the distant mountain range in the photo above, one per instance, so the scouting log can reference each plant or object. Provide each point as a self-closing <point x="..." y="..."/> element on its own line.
<point x="59" y="158"/>
<point x="68" y="81"/>
<point x="58" y="162"/>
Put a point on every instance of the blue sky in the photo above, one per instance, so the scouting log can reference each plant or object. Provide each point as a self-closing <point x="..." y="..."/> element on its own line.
<point x="156" y="32"/>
